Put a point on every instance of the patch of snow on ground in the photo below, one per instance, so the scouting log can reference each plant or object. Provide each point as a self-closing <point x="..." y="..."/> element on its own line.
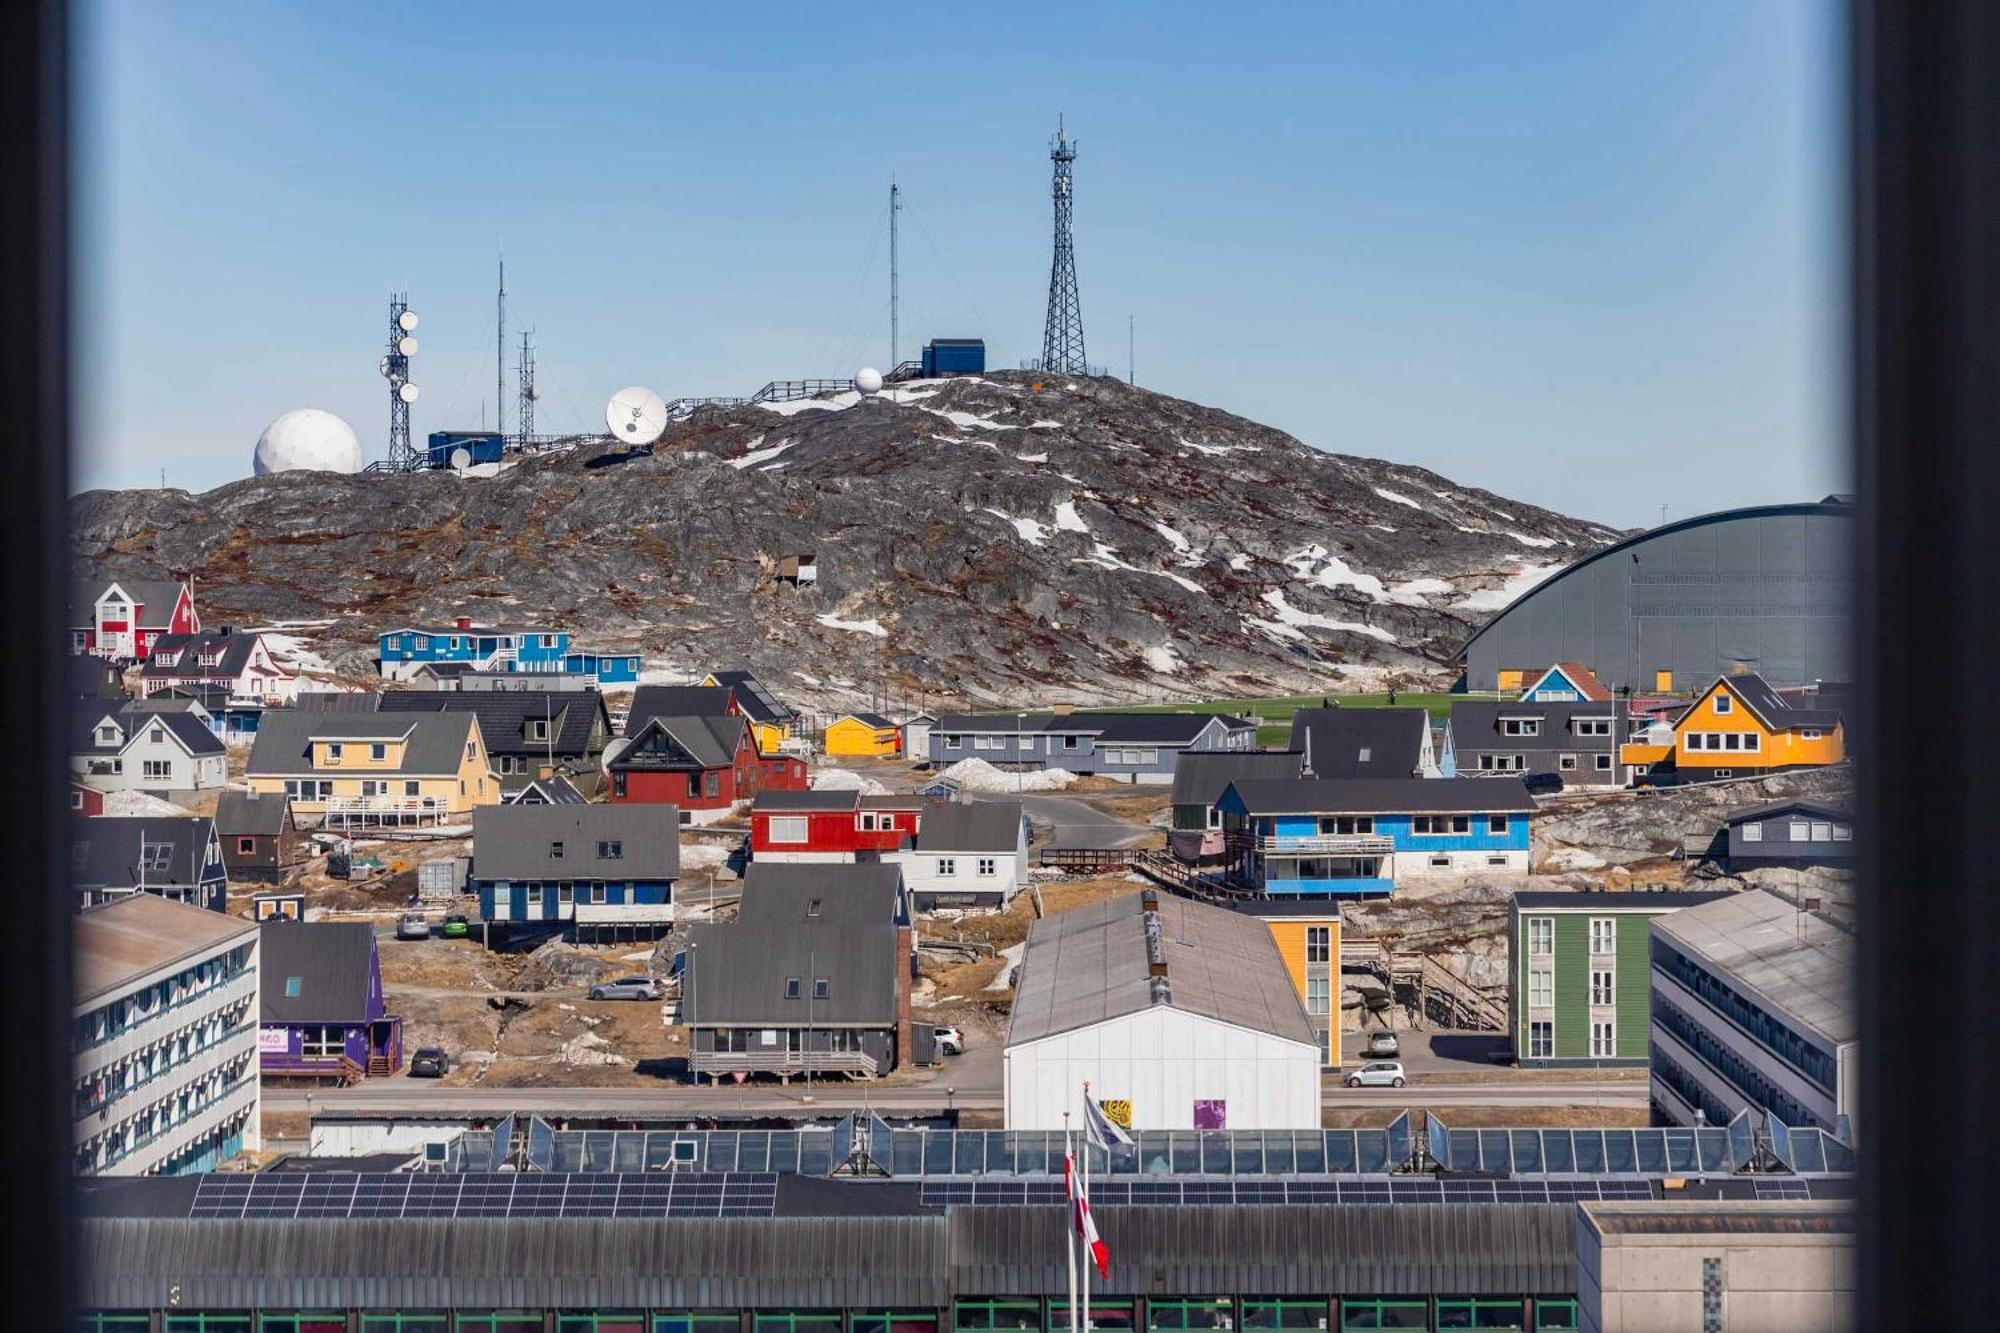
<point x="869" y="626"/>
<point x="139" y="803"/>
<point x="291" y="651"/>
<point x="703" y="855"/>
<point x="1316" y="564"/>
<point x="1107" y="557"/>
<point x="834" y="403"/>
<point x="1032" y="531"/>
<point x="1067" y="519"/>
<point x="1162" y="658"/>
<point x="846" y="779"/>
<point x="1009" y="956"/>
<point x="967" y="419"/>
<point x="1031" y="458"/>
<point x="1045" y="425"/>
<point x="978" y="775"/>
<point x="808" y="679"/>
<point x="1174" y="537"/>
<point x="1381" y="527"/>
<point x="664" y="675"/>
<point x="1498" y="599"/>
<point x="1240" y="561"/>
<point x="1215" y="450"/>
<point x="1297" y="619"/>
<point x="1412" y="592"/>
<point x="1399" y="499"/>
<point x="1526" y="540"/>
<point x="756" y="456"/>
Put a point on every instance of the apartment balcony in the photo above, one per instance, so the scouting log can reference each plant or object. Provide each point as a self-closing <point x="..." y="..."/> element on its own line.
<point x="384" y="811"/>
<point x="787" y="1064"/>
<point x="1328" y="844"/>
<point x="1350" y="886"/>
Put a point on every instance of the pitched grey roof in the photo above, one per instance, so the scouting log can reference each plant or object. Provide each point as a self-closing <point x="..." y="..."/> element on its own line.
<point x="1201" y="776"/>
<point x="156" y="597"/>
<point x="751" y="696"/>
<point x="1832" y="807"/>
<point x="193" y="733"/>
<point x="804" y="801"/>
<point x="1475" y="725"/>
<point x="517" y="841"/>
<point x="835" y="921"/>
<point x="1162" y="728"/>
<point x="1023" y="723"/>
<point x="651" y="701"/>
<point x="711" y="740"/>
<point x="1090" y="964"/>
<point x="970" y="826"/>
<point x="174" y="715"/>
<point x="330" y="959"/>
<point x="1386" y="796"/>
<point x="1773" y="710"/>
<point x="1664" y="901"/>
<point x="91" y="677"/>
<point x="232" y="654"/>
<point x="246" y="814"/>
<point x="504" y="717"/>
<point x="557" y="790"/>
<point x="436" y="741"/>
<point x="875" y="720"/>
<point x="105" y="849"/>
<point x="1332" y="741"/>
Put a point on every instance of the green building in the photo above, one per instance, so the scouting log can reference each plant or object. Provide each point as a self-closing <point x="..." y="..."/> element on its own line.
<point x="1582" y="971"/>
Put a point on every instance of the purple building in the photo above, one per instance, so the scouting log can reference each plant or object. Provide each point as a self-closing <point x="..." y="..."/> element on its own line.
<point x="322" y="1013"/>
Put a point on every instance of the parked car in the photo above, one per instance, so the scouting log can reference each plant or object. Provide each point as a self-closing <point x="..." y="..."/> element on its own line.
<point x="627" y="988"/>
<point x="1380" y="1074"/>
<point x="1543" y="784"/>
<point x="429" y="1062"/>
<point x="457" y="926"/>
<point x="950" y="1041"/>
<point x="1382" y="1045"/>
<point x="413" y="926"/>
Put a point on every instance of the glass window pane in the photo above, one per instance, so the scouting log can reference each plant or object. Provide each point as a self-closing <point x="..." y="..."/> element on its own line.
<point x="1680" y="1153"/>
<point x="1341" y="1155"/>
<point x="999" y="1153"/>
<point x="1527" y="1151"/>
<point x="1558" y="1151"/>
<point x="1619" y="1154"/>
<point x="722" y="1146"/>
<point x="788" y="1152"/>
<point x="1214" y="1152"/>
<point x="1247" y="1151"/>
<point x="969" y="1153"/>
<point x="937" y="1151"/>
<point x="1589" y="1150"/>
<point x="1186" y="1152"/>
<point x="1371" y="1150"/>
<point x="1309" y="1152"/>
<point x="753" y="1150"/>
<point x="1277" y="1152"/>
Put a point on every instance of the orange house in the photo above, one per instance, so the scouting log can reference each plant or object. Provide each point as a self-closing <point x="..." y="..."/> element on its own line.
<point x="1740" y="725"/>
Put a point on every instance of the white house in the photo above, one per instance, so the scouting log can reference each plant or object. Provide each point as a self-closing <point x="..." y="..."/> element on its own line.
<point x="240" y="664"/>
<point x="966" y="854"/>
<point x="1182" y="1012"/>
<point x="126" y="749"/>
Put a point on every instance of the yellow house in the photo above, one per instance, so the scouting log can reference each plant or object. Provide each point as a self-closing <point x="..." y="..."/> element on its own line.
<point x="770" y="721"/>
<point x="1307" y="933"/>
<point x="868" y="735"/>
<point x="373" y="769"/>
<point x="1740" y="725"/>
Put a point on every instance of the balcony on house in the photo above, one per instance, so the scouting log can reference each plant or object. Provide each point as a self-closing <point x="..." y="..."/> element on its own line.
<point x="1336" y="870"/>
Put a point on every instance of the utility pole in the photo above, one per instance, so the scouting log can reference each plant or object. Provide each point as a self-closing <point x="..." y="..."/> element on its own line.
<point x="1062" y="332"/>
<point x="1131" y="341"/>
<point x="895" y="340"/>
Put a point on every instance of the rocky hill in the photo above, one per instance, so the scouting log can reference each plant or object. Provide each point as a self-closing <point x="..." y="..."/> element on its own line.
<point x="994" y="538"/>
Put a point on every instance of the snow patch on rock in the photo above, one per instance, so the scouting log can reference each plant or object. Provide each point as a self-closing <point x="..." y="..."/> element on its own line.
<point x="870" y="626"/>
<point x="1067" y="519"/>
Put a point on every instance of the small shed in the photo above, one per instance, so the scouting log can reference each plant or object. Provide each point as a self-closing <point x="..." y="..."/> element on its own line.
<point x="917" y="733"/>
<point x="798" y="570"/>
<point x="259" y="840"/>
<point x="863" y="735"/>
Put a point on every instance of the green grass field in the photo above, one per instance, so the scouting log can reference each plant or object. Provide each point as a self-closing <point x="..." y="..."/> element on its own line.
<point x="1274" y="712"/>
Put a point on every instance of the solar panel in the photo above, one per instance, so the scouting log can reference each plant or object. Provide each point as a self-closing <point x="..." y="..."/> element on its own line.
<point x="488" y="1194"/>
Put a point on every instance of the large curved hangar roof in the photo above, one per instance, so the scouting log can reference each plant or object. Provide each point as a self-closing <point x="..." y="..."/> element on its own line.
<point x="1769" y="588"/>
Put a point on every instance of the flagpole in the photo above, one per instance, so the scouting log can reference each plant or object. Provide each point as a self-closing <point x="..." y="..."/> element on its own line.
<point x="1069" y="1226"/>
<point x="1090" y="1261"/>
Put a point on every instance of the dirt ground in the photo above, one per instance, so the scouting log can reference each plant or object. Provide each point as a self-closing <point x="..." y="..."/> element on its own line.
<point x="1493" y="1117"/>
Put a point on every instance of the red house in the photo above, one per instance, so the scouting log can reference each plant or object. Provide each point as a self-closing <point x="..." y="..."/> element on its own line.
<point x="792" y="826"/>
<point x="119" y="618"/>
<point x="704" y="765"/>
<point x="86" y="801"/>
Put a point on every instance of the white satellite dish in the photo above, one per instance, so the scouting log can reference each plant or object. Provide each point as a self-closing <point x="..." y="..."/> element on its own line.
<point x="534" y="393"/>
<point x="868" y="380"/>
<point x="407" y="392"/>
<point x="636" y="416"/>
<point x="461" y="458"/>
<point x="407" y="321"/>
<point x="383" y="366"/>
<point x="406" y="345"/>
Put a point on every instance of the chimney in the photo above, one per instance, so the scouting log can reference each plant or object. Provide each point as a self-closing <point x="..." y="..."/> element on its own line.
<point x="464" y="622"/>
<point x="906" y="964"/>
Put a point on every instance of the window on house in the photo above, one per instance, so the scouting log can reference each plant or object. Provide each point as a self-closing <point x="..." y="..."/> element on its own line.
<point x="556" y="851"/>
<point x="791" y="988"/>
<point x="1801" y="830"/>
<point x="1541" y="1039"/>
<point x="1363" y="755"/>
<point x="374" y="787"/>
<point x="1603" y="1039"/>
<point x="1521" y="726"/>
<point x="1842" y="833"/>
<point x="1723" y="773"/>
<point x="1603" y="763"/>
<point x="987" y="866"/>
<point x="787" y="828"/>
<point x="1724" y="705"/>
<point x="534" y="895"/>
<point x="1753" y="831"/>
<point x="107" y="735"/>
<point x="378" y="751"/>
<point x="1602" y="991"/>
<point x="157" y="856"/>
<point x="538" y="730"/>
<point x="712" y="784"/>
<point x="76" y="800"/>
<point x="813" y="906"/>
<point x="1541" y="988"/>
<point x="245" y="846"/>
<point x="323" y="1043"/>
<point x="1604" y="934"/>
<point x="292" y="985"/>
<point x="156" y="769"/>
<point x="610" y="849"/>
<point x="1566" y="762"/>
<point x="953" y="742"/>
<point x="333" y="752"/>
<point x="1822" y="831"/>
<point x="1541" y="936"/>
<point x="1809" y="733"/>
<point x="1496" y="823"/>
<point x="1318" y="998"/>
<point x="947" y="866"/>
<point x="1319" y="944"/>
<point x="565" y="894"/>
<point x="1440" y="862"/>
<point x="1592" y="726"/>
<point x="1752" y="741"/>
<point x="1501" y="763"/>
<point x="819" y="988"/>
<point x="413" y="788"/>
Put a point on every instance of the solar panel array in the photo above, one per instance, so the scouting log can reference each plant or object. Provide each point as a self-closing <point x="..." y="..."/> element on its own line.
<point x="1382" y="1190"/>
<point x="486" y="1194"/>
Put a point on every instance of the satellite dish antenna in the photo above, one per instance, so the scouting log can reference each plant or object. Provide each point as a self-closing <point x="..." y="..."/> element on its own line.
<point x="407" y="392"/>
<point x="383" y="366"/>
<point x="636" y="416"/>
<point x="461" y="458"/>
<point x="868" y="380"/>
<point x="407" y="322"/>
<point x="406" y="345"/>
<point x="534" y="393"/>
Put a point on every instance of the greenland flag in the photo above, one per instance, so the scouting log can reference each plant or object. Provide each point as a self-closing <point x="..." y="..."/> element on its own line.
<point x="1084" y="1224"/>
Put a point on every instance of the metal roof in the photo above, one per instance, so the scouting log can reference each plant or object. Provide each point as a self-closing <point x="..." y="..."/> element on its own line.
<point x="1385" y="796"/>
<point x="751" y="696"/>
<point x="240" y="813"/>
<point x="651" y="701"/>
<point x="838" y="798"/>
<point x="1757" y="940"/>
<point x="1162" y="728"/>
<point x="1839" y="806"/>
<point x="1092" y="964"/>
<point x="710" y="741"/>
<point x="835" y="921"/>
<point x="519" y="841"/>
<point x="556" y="790"/>
<point x="1711" y="1217"/>
<point x="1572" y="900"/>
<point x="1475" y="724"/>
<point x="970" y="826"/>
<point x="575" y="717"/>
<point x="333" y="962"/>
<point x="1331" y="741"/>
<point x="1200" y="777"/>
<point x="156" y="597"/>
<point x="120" y="941"/>
<point x="1772" y="709"/>
<point x="105" y="851"/>
<point x="232" y="652"/>
<point x="435" y="742"/>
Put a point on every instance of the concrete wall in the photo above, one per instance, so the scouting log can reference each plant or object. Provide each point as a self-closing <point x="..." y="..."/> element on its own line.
<point x="1780" y="1280"/>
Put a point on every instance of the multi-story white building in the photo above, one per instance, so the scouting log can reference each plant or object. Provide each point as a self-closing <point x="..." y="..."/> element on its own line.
<point x="1752" y="1008"/>
<point x="165" y="1076"/>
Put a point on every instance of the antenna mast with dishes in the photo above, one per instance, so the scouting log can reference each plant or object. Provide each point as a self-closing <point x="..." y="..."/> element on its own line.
<point x="395" y="368"/>
<point x="1062" y="335"/>
<point x="895" y="207"/>
<point x="500" y="354"/>
<point x="525" y="412"/>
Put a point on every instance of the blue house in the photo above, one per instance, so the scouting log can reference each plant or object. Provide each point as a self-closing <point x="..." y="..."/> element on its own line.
<point x="403" y="652"/>
<point x="1308" y="837"/>
<point x="603" y="871"/>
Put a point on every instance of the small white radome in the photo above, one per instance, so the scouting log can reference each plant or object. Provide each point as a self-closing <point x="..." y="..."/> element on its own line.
<point x="307" y="439"/>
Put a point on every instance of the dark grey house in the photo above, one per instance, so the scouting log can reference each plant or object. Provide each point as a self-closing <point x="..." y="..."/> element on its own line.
<point x="813" y="974"/>
<point x="1138" y="747"/>
<point x="1364" y="743"/>
<point x="174" y="856"/>
<point x="528" y="733"/>
<point x="259" y="840"/>
<point x="1200" y="780"/>
<point x="1577" y="741"/>
<point x="1797" y="831"/>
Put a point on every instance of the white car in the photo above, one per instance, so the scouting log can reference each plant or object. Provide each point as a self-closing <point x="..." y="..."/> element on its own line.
<point x="1379" y="1074"/>
<point x="950" y="1041"/>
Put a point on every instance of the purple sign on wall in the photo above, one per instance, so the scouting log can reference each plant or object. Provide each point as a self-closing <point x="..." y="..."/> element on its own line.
<point x="1211" y="1113"/>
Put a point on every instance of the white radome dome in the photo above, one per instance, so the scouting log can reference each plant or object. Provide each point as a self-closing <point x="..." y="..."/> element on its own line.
<point x="868" y="380"/>
<point x="307" y="440"/>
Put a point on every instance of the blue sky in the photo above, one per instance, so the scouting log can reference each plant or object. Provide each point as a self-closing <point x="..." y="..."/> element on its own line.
<point x="1585" y="255"/>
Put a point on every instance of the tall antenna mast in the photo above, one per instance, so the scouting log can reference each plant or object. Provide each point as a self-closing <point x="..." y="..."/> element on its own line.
<point x="1062" y="335"/>
<point x="500" y="353"/>
<point x="895" y="207"/>
<point x="395" y="368"/>
<point x="525" y="412"/>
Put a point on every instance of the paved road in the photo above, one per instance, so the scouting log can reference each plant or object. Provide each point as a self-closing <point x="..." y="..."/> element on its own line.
<point x="1074" y="823"/>
<point x="417" y="1096"/>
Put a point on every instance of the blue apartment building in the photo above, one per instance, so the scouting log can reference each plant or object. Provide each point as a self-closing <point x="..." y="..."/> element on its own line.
<point x="501" y="648"/>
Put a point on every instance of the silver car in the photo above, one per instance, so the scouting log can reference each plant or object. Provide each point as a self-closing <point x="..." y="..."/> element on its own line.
<point x="1382" y="1045"/>
<point x="627" y="988"/>
<point x="1379" y="1074"/>
<point x="413" y="926"/>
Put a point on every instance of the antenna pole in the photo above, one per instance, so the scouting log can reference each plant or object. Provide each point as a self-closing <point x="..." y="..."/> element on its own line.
<point x="396" y="367"/>
<point x="500" y="353"/>
<point x="1062" y="332"/>
<point x="525" y="412"/>
<point x="895" y="340"/>
<point x="1131" y="342"/>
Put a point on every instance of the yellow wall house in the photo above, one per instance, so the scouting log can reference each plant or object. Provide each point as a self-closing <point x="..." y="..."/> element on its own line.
<point x="770" y="721"/>
<point x="1740" y="725"/>
<point x="863" y="734"/>
<point x="1308" y="937"/>
<point x="373" y="769"/>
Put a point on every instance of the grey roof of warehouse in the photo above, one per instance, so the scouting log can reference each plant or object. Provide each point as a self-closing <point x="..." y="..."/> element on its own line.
<point x="1360" y="742"/>
<point x="328" y="961"/>
<point x="121" y="940"/>
<point x="105" y="852"/>
<point x="1804" y="968"/>
<point x="804" y="922"/>
<point x="970" y="826"/>
<point x="1384" y="796"/>
<point x="518" y="842"/>
<point x="505" y="715"/>
<point x="1090" y="964"/>
<point x="240" y="814"/>
<point x="435" y="741"/>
